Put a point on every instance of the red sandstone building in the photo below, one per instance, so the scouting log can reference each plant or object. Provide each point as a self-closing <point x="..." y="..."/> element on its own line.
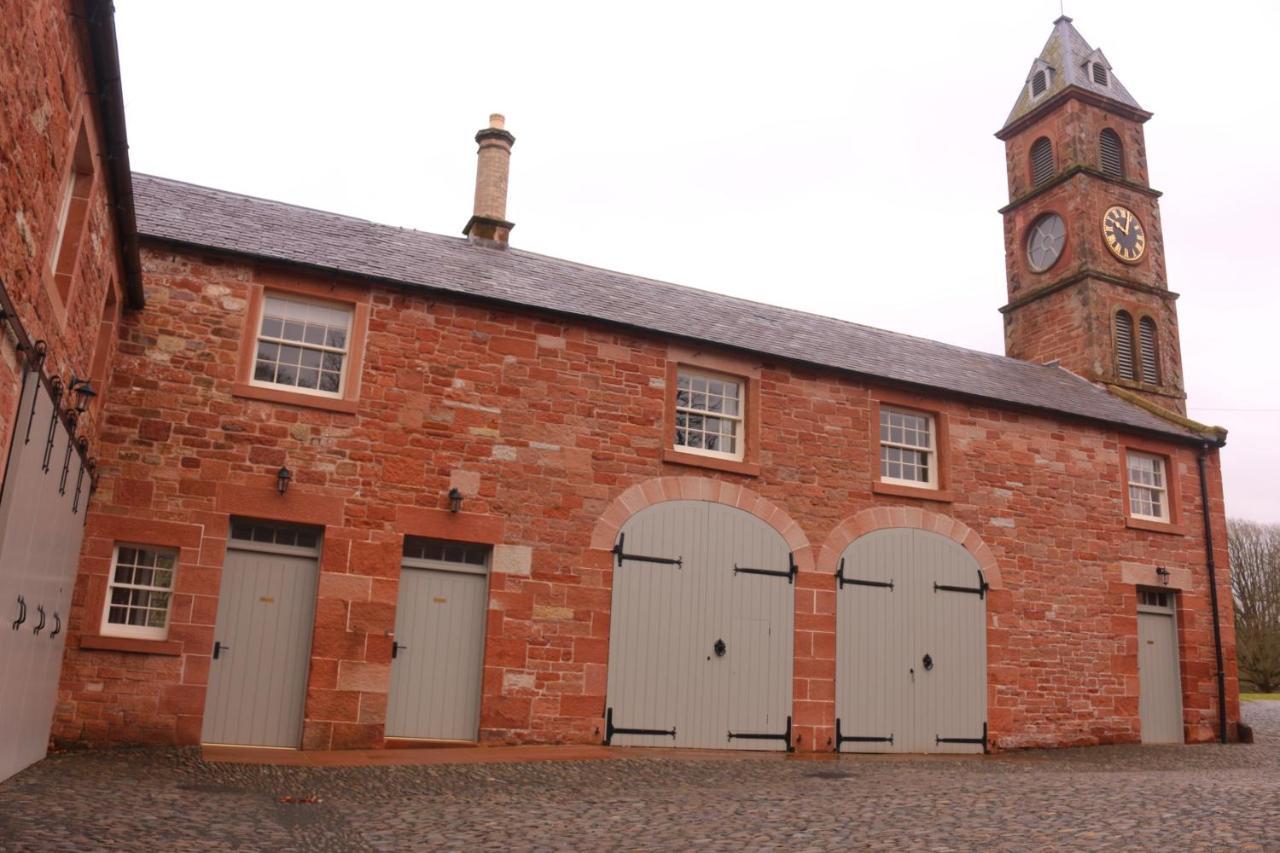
<point x="355" y="486"/>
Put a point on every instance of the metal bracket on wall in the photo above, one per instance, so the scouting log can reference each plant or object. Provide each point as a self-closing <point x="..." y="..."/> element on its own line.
<point x="841" y="580"/>
<point x="678" y="562"/>
<point x="22" y="613"/>
<point x="843" y="738"/>
<point x="981" y="740"/>
<point x="610" y="729"/>
<point x="980" y="590"/>
<point x="785" y="737"/>
<point x="789" y="574"/>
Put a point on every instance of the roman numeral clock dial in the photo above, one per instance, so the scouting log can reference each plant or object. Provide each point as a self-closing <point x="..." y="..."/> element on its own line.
<point x="1123" y="234"/>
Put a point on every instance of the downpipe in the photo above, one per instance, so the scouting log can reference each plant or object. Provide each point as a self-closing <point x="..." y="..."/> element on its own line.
<point x="1213" y="591"/>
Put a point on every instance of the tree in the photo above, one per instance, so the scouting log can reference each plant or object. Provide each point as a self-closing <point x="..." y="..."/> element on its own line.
<point x="1255" y="591"/>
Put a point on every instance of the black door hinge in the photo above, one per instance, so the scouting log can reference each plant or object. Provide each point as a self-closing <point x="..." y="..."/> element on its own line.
<point x="841" y="580"/>
<point x="843" y="738"/>
<point x="980" y="590"/>
<point x="785" y="737"/>
<point x="789" y="574"/>
<point x="982" y="740"/>
<point x="610" y="729"/>
<point x="678" y="562"/>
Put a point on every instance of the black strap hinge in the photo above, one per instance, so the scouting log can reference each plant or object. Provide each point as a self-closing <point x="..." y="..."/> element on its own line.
<point x="843" y="738"/>
<point x="789" y="574"/>
<point x="610" y="729"/>
<point x="841" y="580"/>
<point x="785" y="737"/>
<point x="980" y="590"/>
<point x="678" y="562"/>
<point x="982" y="740"/>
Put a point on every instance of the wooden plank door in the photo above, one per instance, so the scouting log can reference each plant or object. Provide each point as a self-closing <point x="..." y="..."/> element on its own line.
<point x="1159" y="683"/>
<point x="439" y="660"/>
<point x="258" y="681"/>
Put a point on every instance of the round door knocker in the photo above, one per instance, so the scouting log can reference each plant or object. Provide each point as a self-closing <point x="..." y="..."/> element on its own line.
<point x="719" y="648"/>
<point x="928" y="662"/>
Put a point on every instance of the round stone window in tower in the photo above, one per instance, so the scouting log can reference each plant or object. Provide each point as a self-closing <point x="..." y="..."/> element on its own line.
<point x="1045" y="240"/>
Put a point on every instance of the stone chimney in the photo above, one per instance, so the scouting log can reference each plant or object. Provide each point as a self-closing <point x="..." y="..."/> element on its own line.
<point x="489" y="221"/>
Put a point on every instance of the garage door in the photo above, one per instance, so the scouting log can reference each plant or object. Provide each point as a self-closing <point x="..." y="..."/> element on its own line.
<point x="42" y="511"/>
<point x="910" y="645"/>
<point x="700" y="645"/>
<point x="262" y="638"/>
<point x="438" y="648"/>
<point x="1159" y="684"/>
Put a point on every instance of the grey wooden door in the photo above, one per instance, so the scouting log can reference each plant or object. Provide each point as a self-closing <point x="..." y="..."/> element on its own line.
<point x="42" y="511"/>
<point x="704" y="648"/>
<point x="910" y="645"/>
<point x="439" y="652"/>
<point x="1159" y="684"/>
<point x="258" y="679"/>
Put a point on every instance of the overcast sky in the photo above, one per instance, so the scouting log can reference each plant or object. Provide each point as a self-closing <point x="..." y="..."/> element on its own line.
<point x="836" y="158"/>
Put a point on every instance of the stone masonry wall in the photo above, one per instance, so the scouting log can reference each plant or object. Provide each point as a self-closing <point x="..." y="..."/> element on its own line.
<point x="546" y="425"/>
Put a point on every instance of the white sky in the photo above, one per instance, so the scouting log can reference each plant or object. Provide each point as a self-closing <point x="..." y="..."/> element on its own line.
<point x="836" y="158"/>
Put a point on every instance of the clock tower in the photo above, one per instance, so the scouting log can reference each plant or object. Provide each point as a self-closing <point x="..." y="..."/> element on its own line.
<point x="1083" y="250"/>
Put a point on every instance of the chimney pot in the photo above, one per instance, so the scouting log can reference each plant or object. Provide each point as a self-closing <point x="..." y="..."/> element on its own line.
<point x="488" y="223"/>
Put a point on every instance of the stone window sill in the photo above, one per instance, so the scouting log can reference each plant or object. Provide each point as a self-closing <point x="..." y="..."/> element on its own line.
<point x="294" y="398"/>
<point x="732" y="466"/>
<point x="899" y="491"/>
<point x="1155" y="526"/>
<point x="132" y="645"/>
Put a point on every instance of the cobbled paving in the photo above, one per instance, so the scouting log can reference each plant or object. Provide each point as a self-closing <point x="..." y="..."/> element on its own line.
<point x="1104" y="798"/>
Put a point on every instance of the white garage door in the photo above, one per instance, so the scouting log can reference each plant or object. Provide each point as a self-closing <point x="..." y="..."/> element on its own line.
<point x="910" y="645"/>
<point x="700" y="645"/>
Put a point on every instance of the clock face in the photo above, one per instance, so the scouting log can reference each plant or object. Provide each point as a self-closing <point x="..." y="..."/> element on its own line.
<point x="1123" y="234"/>
<point x="1045" y="240"/>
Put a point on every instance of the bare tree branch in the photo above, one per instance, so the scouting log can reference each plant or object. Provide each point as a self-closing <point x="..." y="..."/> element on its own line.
<point x="1255" y="591"/>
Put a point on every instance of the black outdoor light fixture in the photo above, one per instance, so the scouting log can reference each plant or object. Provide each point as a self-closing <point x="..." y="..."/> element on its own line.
<point x="455" y="499"/>
<point x="83" y="389"/>
<point x="1163" y="574"/>
<point x="283" y="476"/>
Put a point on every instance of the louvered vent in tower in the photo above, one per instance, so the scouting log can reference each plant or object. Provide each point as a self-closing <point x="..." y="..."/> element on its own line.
<point x="1147" y="340"/>
<point x="1099" y="73"/>
<point x="1041" y="161"/>
<point x="1111" y="154"/>
<point x="1039" y="82"/>
<point x="1124" y="345"/>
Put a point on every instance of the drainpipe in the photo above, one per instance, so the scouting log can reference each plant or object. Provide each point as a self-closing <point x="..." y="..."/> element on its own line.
<point x="1213" y="592"/>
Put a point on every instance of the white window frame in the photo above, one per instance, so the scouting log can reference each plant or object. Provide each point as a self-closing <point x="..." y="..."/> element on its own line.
<point x="1161" y="491"/>
<point x="931" y="451"/>
<point x="143" y="632"/>
<point x="739" y="420"/>
<point x="259" y="338"/>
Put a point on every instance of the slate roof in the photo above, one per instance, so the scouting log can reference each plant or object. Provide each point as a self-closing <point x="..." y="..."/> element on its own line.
<point x="200" y="216"/>
<point x="1066" y="52"/>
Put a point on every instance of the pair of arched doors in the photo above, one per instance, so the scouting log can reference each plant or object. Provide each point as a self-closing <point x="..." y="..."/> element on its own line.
<point x="702" y="637"/>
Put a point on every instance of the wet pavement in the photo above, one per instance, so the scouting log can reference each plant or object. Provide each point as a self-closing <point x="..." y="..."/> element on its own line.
<point x="1130" y="797"/>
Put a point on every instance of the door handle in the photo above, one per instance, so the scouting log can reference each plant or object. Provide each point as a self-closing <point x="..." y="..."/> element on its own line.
<point x="218" y="649"/>
<point x="395" y="649"/>
<point x="719" y="648"/>
<point x="928" y="662"/>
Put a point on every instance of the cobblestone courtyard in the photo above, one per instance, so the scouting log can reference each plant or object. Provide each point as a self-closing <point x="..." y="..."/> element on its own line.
<point x="1103" y="798"/>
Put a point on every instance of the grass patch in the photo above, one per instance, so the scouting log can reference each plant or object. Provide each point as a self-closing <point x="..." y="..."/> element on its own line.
<point x="1260" y="697"/>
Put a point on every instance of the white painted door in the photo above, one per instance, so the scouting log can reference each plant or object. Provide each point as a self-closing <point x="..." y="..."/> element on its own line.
<point x="1159" y="683"/>
<point x="42" y="511"/>
<point x="262" y="641"/>
<point x="438" y="658"/>
<point x="910" y="645"/>
<point x="700" y="652"/>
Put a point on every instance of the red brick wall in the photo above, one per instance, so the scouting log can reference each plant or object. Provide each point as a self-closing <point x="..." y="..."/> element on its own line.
<point x="545" y="425"/>
<point x="45" y="85"/>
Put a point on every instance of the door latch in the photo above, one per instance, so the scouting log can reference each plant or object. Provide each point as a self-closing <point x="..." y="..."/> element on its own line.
<point x="395" y="649"/>
<point x="720" y="648"/>
<point x="928" y="662"/>
<point x="218" y="649"/>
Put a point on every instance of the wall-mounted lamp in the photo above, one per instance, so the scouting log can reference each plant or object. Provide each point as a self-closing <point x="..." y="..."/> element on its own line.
<point x="283" y="476"/>
<point x="83" y="389"/>
<point x="1163" y="574"/>
<point x="455" y="499"/>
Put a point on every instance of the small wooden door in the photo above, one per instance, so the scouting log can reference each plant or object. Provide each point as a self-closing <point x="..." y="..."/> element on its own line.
<point x="438" y="649"/>
<point x="911" y="651"/>
<point x="262" y="639"/>
<point x="1159" y="684"/>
